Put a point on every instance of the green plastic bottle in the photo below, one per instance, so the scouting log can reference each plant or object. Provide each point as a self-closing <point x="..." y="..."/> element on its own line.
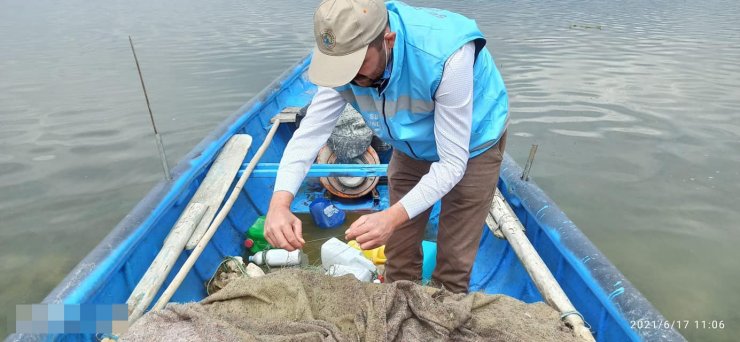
<point x="255" y="241"/>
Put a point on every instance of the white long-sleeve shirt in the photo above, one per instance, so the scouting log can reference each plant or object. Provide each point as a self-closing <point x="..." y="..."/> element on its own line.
<point x="453" y="118"/>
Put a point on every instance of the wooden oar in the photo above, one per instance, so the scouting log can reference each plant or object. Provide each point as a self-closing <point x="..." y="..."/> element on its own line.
<point x="217" y="182"/>
<point x="152" y="280"/>
<point x="199" y="212"/>
<point x="177" y="281"/>
<point x="507" y="221"/>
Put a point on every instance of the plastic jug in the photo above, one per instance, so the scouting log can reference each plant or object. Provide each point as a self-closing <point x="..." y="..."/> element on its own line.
<point x="429" y="249"/>
<point x="277" y="257"/>
<point x="335" y="252"/>
<point x="376" y="255"/>
<point x="325" y="214"/>
<point x="256" y="241"/>
<point x="362" y="274"/>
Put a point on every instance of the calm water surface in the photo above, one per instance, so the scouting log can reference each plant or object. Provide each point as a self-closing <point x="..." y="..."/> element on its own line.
<point x="634" y="105"/>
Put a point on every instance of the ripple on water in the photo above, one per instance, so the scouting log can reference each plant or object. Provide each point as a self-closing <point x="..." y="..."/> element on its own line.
<point x="45" y="157"/>
<point x="8" y="169"/>
<point x="579" y="134"/>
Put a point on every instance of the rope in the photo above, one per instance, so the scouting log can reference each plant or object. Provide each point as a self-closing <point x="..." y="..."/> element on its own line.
<point x="574" y="312"/>
<point x="339" y="236"/>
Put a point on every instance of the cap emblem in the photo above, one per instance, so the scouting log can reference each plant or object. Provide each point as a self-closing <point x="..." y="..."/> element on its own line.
<point x="327" y="38"/>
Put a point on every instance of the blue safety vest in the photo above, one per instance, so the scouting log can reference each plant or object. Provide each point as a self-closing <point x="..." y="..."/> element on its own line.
<point x="402" y="112"/>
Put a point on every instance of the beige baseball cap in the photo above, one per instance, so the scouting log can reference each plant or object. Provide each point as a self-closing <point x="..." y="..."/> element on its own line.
<point x="343" y="29"/>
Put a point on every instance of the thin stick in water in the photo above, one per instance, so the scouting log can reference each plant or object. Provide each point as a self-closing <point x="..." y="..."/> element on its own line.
<point x="157" y="137"/>
<point x="528" y="165"/>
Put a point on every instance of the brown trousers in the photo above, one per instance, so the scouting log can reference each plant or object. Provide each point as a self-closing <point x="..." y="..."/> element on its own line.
<point x="462" y="215"/>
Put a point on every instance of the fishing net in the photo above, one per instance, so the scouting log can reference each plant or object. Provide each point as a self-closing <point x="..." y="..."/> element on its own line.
<point x="301" y="305"/>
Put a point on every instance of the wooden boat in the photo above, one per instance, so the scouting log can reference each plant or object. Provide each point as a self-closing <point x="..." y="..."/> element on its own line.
<point x="613" y="308"/>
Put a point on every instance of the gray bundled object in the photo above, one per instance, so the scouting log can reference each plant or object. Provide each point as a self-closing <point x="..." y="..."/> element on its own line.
<point x="351" y="136"/>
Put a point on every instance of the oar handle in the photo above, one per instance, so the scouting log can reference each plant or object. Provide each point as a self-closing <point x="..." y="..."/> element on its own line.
<point x="541" y="276"/>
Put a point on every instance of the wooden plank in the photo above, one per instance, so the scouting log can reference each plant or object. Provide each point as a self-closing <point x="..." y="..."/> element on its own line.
<point x="218" y="181"/>
<point x="551" y="292"/>
<point x="152" y="280"/>
<point x="195" y="254"/>
<point x="286" y="115"/>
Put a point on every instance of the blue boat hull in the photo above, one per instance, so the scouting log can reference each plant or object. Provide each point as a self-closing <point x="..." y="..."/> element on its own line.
<point x="608" y="302"/>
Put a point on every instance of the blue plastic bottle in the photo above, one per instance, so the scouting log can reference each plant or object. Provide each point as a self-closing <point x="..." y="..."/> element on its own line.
<point x="325" y="214"/>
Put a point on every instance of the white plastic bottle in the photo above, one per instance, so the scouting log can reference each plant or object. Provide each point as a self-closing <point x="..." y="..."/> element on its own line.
<point x="336" y="252"/>
<point x="362" y="274"/>
<point x="277" y="257"/>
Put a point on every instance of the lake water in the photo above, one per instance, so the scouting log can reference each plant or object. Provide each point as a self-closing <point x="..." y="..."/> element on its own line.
<point x="634" y="104"/>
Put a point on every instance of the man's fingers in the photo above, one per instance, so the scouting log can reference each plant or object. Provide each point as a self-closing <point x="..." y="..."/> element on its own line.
<point x="369" y="244"/>
<point x="360" y="221"/>
<point x="269" y="237"/>
<point x="362" y="234"/>
<point x="353" y="233"/>
<point x="290" y="238"/>
<point x="298" y="230"/>
<point x="355" y="228"/>
<point x="365" y="236"/>
<point x="280" y="240"/>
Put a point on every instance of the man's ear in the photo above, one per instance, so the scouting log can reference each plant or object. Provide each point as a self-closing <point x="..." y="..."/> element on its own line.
<point x="390" y="38"/>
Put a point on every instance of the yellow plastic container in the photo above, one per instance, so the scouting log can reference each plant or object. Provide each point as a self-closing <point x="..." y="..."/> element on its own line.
<point x="377" y="255"/>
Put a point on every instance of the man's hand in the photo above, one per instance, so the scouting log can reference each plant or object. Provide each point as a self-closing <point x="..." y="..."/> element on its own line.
<point x="373" y="230"/>
<point x="282" y="228"/>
